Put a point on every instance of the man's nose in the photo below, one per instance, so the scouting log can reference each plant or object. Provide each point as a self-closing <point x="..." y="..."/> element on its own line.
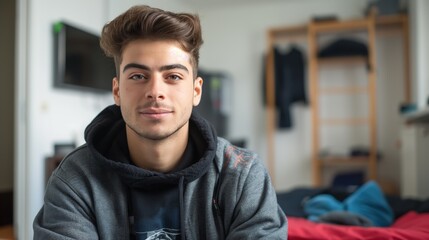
<point x="155" y="89"/>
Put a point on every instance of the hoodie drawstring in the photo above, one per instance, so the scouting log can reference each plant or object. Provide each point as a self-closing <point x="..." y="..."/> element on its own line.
<point x="182" y="208"/>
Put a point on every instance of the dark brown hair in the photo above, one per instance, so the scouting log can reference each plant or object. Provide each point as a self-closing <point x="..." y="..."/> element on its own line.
<point x="144" y="22"/>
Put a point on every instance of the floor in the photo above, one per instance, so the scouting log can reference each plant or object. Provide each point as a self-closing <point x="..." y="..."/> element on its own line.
<point x="6" y="232"/>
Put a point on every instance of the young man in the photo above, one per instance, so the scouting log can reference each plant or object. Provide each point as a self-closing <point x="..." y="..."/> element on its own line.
<point x="150" y="168"/>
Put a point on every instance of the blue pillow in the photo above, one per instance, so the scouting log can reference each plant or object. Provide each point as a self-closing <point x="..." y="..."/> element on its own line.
<point x="320" y="205"/>
<point x="369" y="202"/>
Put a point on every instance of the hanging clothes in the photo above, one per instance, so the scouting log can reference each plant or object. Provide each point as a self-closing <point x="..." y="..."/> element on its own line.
<point x="289" y="80"/>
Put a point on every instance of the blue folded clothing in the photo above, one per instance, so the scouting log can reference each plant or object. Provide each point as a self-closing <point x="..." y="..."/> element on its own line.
<point x="322" y="204"/>
<point x="368" y="201"/>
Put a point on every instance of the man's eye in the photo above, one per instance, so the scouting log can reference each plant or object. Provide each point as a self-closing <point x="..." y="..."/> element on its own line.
<point x="174" y="77"/>
<point x="137" y="77"/>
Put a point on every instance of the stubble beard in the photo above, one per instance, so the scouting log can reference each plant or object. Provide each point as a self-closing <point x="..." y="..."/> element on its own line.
<point x="156" y="136"/>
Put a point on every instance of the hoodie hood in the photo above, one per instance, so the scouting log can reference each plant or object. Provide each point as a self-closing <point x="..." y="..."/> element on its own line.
<point x="107" y="142"/>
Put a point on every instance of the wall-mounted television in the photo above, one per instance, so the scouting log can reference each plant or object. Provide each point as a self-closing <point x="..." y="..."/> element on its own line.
<point x="79" y="62"/>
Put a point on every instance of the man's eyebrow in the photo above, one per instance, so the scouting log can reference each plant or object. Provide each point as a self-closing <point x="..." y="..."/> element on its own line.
<point x="136" y="65"/>
<point x="173" y="66"/>
<point x="162" y="68"/>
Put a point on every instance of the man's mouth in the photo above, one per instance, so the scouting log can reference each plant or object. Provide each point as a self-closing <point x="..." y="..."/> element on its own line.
<point x="155" y="112"/>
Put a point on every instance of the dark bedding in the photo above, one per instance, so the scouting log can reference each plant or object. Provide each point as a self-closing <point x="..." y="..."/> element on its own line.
<point x="292" y="201"/>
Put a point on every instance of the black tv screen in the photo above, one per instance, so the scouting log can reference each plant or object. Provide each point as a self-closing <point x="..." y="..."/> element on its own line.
<point x="79" y="61"/>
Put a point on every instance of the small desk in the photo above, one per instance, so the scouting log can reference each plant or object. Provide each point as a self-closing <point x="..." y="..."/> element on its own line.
<point x="420" y="116"/>
<point x="51" y="164"/>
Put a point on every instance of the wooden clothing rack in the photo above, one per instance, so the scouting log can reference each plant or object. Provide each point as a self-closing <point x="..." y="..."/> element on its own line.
<point x="310" y="33"/>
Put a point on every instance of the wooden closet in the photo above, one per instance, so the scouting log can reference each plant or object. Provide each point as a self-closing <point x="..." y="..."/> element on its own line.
<point x="310" y="33"/>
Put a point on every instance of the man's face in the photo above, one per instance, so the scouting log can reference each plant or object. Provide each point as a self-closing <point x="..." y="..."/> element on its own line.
<point x="156" y="90"/>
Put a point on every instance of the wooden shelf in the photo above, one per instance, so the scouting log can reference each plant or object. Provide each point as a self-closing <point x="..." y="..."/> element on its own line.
<point x="391" y="20"/>
<point x="335" y="25"/>
<point x="366" y="25"/>
<point x="341" y="26"/>
<point x="289" y="30"/>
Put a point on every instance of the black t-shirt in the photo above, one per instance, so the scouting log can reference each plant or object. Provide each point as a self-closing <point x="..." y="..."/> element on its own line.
<point x="156" y="213"/>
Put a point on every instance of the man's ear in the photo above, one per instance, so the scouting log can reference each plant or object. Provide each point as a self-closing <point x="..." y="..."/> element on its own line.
<point x="198" y="90"/>
<point x="115" y="91"/>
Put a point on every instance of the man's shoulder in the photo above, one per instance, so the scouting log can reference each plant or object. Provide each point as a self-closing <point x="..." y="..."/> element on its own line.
<point x="78" y="162"/>
<point x="79" y="156"/>
<point x="231" y="157"/>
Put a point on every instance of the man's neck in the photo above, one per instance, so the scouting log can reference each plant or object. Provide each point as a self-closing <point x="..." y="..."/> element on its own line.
<point x="157" y="155"/>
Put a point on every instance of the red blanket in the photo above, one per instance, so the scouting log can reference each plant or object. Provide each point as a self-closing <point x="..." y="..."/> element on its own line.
<point x="411" y="226"/>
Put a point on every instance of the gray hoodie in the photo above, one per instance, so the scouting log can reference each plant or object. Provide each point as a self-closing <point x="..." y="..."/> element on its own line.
<point x="225" y="194"/>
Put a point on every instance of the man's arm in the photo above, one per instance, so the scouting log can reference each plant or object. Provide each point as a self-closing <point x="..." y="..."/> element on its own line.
<point x="257" y="214"/>
<point x="64" y="215"/>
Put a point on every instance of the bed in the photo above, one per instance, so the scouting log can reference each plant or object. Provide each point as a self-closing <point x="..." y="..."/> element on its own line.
<point x="410" y="219"/>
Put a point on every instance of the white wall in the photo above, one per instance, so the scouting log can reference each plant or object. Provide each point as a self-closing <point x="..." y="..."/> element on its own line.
<point x="118" y="7"/>
<point x="420" y="51"/>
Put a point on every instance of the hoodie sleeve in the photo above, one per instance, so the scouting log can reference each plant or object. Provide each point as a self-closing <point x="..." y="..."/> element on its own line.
<point x="253" y="209"/>
<point x="64" y="215"/>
